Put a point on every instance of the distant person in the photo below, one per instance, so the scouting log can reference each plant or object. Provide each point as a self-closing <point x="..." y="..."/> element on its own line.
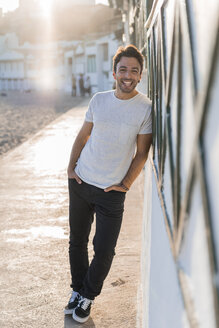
<point x="73" y="86"/>
<point x="87" y="86"/>
<point x="108" y="154"/>
<point x="81" y="84"/>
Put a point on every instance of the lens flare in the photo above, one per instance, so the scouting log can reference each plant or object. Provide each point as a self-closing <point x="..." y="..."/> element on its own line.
<point x="46" y="6"/>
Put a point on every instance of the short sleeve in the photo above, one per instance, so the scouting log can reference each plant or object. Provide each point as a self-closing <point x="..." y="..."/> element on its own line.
<point x="89" y="113"/>
<point x="146" y="127"/>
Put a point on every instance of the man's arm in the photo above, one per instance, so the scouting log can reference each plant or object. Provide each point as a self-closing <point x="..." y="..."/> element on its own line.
<point x="143" y="145"/>
<point x="77" y="147"/>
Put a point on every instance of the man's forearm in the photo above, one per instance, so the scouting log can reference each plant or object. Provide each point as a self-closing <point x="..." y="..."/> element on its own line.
<point x="134" y="169"/>
<point x="79" y="144"/>
<point x="75" y="152"/>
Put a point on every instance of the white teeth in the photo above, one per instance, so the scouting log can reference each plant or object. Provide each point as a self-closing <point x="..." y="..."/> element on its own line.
<point x="127" y="83"/>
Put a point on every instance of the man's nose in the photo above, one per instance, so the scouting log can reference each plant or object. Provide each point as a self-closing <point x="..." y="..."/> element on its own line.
<point x="128" y="74"/>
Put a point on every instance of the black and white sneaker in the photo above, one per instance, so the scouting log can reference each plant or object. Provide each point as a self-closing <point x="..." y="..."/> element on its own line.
<point x="82" y="311"/>
<point x="73" y="303"/>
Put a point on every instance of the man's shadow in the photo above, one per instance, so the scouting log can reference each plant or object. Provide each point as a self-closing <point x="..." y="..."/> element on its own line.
<point x="69" y="322"/>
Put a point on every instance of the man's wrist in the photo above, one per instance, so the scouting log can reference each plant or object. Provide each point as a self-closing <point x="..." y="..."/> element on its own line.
<point x="123" y="186"/>
<point x="71" y="166"/>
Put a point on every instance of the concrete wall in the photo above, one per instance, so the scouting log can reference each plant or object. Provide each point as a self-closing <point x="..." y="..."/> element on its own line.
<point x="180" y="251"/>
<point x="163" y="303"/>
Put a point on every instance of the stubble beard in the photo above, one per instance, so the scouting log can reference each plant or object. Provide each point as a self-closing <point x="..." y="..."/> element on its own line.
<point x="123" y="88"/>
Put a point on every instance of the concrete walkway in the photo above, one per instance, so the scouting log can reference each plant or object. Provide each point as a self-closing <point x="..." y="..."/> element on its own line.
<point x="34" y="272"/>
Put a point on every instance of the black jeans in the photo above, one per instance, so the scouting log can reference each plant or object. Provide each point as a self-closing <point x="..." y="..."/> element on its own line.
<point x="84" y="201"/>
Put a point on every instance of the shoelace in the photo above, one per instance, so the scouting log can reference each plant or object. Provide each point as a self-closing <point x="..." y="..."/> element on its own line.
<point x="84" y="303"/>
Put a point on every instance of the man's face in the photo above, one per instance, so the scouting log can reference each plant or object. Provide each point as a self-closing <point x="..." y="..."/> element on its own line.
<point x="127" y="74"/>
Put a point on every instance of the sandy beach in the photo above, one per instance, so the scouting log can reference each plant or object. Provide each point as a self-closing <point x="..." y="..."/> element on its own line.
<point x="24" y="114"/>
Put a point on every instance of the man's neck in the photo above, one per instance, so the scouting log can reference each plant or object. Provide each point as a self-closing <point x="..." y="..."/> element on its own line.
<point x="125" y="96"/>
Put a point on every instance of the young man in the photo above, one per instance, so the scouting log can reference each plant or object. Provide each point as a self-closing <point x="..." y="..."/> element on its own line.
<point x="107" y="156"/>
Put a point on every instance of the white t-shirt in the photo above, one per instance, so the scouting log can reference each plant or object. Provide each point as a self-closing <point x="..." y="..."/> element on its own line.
<point x="108" y="153"/>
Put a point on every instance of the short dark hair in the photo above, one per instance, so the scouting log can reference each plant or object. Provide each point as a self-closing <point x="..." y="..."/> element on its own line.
<point x="128" y="51"/>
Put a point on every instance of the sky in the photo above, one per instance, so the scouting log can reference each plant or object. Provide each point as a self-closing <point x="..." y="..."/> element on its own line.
<point x="9" y="5"/>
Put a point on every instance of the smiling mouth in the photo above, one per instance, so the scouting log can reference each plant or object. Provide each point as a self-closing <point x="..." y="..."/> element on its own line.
<point x="127" y="83"/>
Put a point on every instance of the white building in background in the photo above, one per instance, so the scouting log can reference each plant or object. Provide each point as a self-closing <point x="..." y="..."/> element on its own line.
<point x="11" y="71"/>
<point x="92" y="58"/>
<point x="52" y="65"/>
<point x="67" y="3"/>
<point x="99" y="55"/>
<point x="11" y="63"/>
<point x="8" y="41"/>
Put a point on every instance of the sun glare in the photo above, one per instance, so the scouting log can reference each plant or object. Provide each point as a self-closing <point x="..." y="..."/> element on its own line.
<point x="46" y="6"/>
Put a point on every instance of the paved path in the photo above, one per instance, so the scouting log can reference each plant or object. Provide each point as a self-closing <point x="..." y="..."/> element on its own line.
<point x="34" y="269"/>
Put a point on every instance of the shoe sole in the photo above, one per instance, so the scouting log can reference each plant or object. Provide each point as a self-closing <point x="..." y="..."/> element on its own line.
<point x="68" y="311"/>
<point x="78" y="319"/>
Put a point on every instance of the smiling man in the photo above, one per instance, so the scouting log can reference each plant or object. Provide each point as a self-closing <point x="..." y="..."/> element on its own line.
<point x="107" y="156"/>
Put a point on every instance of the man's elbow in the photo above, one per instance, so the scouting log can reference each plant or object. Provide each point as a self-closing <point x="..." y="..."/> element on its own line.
<point x="142" y="156"/>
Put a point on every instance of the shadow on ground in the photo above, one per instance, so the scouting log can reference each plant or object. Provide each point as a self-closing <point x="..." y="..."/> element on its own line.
<point x="69" y="323"/>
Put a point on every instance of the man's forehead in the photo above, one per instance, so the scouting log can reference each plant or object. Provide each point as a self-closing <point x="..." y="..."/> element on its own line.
<point x="129" y="62"/>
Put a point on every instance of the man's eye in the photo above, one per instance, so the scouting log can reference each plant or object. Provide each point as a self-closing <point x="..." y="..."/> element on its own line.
<point x="135" y="71"/>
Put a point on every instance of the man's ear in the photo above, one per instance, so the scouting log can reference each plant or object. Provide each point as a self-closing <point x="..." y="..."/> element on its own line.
<point x="114" y="75"/>
<point x="140" y="78"/>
